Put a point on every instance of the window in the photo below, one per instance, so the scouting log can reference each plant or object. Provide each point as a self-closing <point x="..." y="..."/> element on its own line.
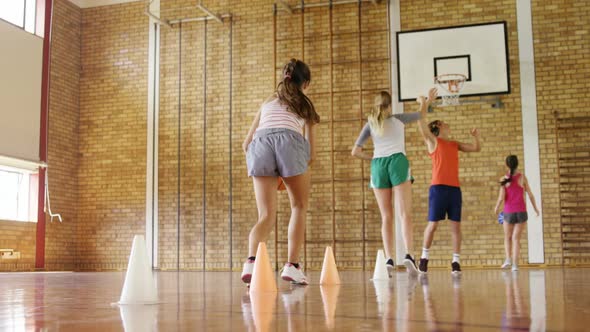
<point x="13" y="11"/>
<point x="26" y="14"/>
<point x="30" y="13"/>
<point x="18" y="194"/>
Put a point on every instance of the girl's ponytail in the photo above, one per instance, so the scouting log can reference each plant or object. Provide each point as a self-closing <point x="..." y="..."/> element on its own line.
<point x="290" y="90"/>
<point x="378" y="112"/>
<point x="512" y="163"/>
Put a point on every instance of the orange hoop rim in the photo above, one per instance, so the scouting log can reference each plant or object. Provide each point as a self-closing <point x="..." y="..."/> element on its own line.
<point x="441" y="79"/>
<point x="454" y="81"/>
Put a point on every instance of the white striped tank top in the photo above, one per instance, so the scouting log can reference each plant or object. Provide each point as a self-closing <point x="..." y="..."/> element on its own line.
<point x="274" y="114"/>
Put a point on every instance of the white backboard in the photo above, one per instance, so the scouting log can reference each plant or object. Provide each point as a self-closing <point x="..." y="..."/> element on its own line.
<point x="478" y="51"/>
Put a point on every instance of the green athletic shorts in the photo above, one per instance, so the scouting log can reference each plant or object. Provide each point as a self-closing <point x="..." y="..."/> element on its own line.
<point x="388" y="172"/>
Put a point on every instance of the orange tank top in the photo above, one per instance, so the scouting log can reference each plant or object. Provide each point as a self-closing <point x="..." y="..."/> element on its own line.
<point x="445" y="163"/>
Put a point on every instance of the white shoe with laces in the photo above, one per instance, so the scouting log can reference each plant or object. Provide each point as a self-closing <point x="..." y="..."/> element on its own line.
<point x="410" y="264"/>
<point x="507" y="264"/>
<point x="247" y="271"/>
<point x="293" y="274"/>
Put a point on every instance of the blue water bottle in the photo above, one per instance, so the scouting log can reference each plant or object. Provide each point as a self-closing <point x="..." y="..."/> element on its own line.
<point x="501" y="218"/>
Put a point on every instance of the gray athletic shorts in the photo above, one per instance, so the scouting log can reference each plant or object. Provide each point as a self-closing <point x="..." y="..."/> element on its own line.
<point x="516" y="217"/>
<point x="277" y="152"/>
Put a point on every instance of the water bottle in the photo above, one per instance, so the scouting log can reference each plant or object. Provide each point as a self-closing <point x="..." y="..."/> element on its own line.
<point x="501" y="218"/>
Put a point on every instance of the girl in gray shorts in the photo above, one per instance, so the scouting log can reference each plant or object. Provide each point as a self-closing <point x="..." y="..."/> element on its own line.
<point x="280" y="143"/>
<point x="513" y="187"/>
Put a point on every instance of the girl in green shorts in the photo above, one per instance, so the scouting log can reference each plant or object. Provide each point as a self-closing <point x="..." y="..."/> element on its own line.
<point x="390" y="172"/>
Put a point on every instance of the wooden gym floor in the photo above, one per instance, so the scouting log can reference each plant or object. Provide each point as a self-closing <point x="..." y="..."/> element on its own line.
<point x="552" y="299"/>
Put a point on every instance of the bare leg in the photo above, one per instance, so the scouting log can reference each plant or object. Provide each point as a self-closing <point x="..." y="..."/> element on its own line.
<point x="508" y="230"/>
<point x="429" y="233"/>
<point x="518" y="228"/>
<point x="403" y="206"/>
<point x="265" y="188"/>
<point x="383" y="197"/>
<point x="456" y="236"/>
<point x="298" y="188"/>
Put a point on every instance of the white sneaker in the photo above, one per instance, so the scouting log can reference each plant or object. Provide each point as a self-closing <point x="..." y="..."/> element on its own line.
<point x="247" y="271"/>
<point x="293" y="274"/>
<point x="410" y="264"/>
<point x="514" y="267"/>
<point x="507" y="264"/>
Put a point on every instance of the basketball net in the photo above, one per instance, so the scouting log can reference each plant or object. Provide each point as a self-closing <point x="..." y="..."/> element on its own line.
<point x="452" y="84"/>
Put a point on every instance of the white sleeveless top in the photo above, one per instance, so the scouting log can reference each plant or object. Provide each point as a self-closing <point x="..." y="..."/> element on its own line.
<point x="274" y="114"/>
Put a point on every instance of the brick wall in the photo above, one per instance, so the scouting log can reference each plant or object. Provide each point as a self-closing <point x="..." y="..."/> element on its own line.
<point x="479" y="172"/>
<point x="112" y="131"/>
<point x="210" y="118"/>
<point x="19" y="236"/>
<point x="252" y="82"/>
<point x="562" y="58"/>
<point x="113" y="103"/>
<point x="63" y="157"/>
<point x="560" y="45"/>
<point x="60" y="245"/>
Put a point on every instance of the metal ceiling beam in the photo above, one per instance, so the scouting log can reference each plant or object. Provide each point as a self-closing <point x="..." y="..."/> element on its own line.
<point x="209" y="13"/>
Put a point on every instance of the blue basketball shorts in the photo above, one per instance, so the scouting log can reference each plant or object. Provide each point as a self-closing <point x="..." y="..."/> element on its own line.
<point x="444" y="202"/>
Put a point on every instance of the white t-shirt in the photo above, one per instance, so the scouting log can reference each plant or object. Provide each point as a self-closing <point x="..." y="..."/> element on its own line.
<point x="392" y="140"/>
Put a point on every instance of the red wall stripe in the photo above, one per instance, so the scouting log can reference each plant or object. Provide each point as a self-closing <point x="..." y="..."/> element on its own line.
<point x="40" y="243"/>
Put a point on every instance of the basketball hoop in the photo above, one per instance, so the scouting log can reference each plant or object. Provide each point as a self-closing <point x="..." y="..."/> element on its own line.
<point x="452" y="84"/>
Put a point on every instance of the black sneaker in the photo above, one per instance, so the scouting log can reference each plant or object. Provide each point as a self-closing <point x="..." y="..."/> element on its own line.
<point x="410" y="264"/>
<point x="423" y="267"/>
<point x="390" y="267"/>
<point x="456" y="268"/>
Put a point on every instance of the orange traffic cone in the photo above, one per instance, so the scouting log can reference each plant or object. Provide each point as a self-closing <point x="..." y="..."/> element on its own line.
<point x="263" y="305"/>
<point x="330" y="299"/>
<point x="329" y="274"/>
<point x="281" y="184"/>
<point x="263" y="279"/>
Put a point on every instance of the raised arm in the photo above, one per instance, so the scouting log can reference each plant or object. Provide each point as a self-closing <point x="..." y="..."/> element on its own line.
<point x="406" y="118"/>
<point x="253" y="127"/>
<point x="471" y="147"/>
<point x="310" y="136"/>
<point x="357" y="150"/>
<point x="501" y="197"/>
<point x="530" y="194"/>
<point x="428" y="137"/>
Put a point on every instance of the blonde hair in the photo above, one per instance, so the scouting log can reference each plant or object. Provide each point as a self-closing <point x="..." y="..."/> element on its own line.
<point x="377" y="113"/>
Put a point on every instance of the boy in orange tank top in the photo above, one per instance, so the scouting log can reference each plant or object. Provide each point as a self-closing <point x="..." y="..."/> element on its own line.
<point x="445" y="192"/>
